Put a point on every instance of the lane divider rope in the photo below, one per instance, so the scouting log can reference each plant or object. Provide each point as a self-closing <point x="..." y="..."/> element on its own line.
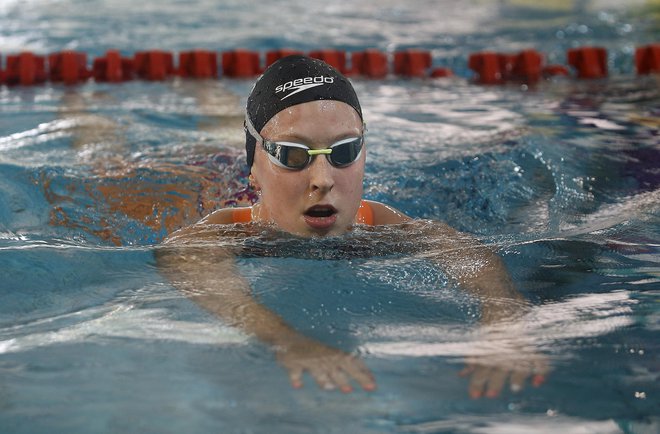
<point x="72" y="67"/>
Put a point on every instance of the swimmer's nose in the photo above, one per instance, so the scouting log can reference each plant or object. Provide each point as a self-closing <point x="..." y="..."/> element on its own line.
<point x="321" y="174"/>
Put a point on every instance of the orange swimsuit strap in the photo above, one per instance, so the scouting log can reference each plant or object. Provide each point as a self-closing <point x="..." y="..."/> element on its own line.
<point x="242" y="215"/>
<point x="365" y="214"/>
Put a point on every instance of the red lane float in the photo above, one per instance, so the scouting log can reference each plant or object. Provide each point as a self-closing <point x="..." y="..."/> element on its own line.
<point x="497" y="68"/>
<point x="154" y="64"/>
<point x="198" y="64"/>
<point x="112" y="67"/>
<point x="412" y="63"/>
<point x="240" y="64"/>
<point x="69" y="67"/>
<point x="527" y="66"/>
<point x="275" y="55"/>
<point x="589" y="62"/>
<point x="488" y="67"/>
<point x="25" y="69"/>
<point x="507" y="62"/>
<point x="334" y="58"/>
<point x="369" y="63"/>
<point x="647" y="59"/>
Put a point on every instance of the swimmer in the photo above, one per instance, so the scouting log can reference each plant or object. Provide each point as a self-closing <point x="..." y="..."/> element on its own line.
<point x="306" y="148"/>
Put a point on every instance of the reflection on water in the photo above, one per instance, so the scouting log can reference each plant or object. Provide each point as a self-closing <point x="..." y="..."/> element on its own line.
<point x="545" y="327"/>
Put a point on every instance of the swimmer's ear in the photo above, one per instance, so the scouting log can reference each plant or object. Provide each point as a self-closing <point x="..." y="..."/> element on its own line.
<point x="254" y="184"/>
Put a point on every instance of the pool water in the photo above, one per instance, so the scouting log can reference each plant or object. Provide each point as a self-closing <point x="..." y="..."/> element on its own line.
<point x="562" y="179"/>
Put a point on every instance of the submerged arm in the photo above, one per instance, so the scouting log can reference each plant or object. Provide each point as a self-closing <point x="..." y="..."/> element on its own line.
<point x="478" y="270"/>
<point x="474" y="266"/>
<point x="483" y="273"/>
<point x="208" y="276"/>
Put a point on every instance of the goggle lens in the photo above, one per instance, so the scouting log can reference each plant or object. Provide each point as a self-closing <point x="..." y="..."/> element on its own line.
<point x="344" y="153"/>
<point x="294" y="157"/>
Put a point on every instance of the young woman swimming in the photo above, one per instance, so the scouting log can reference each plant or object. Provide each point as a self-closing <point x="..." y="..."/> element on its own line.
<point x="305" y="143"/>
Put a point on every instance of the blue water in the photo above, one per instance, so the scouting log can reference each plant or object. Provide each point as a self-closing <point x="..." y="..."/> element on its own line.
<point x="561" y="179"/>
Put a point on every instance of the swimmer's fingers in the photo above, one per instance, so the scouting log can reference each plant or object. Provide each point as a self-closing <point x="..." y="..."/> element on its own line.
<point x="336" y="372"/>
<point x="486" y="381"/>
<point x="297" y="368"/>
<point x="340" y="380"/>
<point x="541" y="369"/>
<point x="488" y="376"/>
<point x="359" y="372"/>
<point x="329" y="367"/>
<point x="534" y="366"/>
<point x="295" y="376"/>
<point x="518" y="378"/>
<point x="328" y="376"/>
<point x="496" y="380"/>
<point x="322" y="377"/>
<point x="479" y="376"/>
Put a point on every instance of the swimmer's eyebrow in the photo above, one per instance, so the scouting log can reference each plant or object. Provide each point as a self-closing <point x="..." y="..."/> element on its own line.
<point x="300" y="138"/>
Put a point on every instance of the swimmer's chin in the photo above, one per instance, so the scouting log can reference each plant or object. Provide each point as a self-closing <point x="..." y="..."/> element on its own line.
<point x="317" y="233"/>
<point x="305" y="231"/>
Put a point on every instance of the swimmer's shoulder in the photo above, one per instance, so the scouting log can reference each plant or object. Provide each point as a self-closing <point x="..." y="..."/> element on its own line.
<point x="385" y="214"/>
<point x="205" y="227"/>
<point x="227" y="216"/>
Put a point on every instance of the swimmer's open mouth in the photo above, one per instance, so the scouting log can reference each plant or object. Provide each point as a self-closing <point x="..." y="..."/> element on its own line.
<point x="320" y="211"/>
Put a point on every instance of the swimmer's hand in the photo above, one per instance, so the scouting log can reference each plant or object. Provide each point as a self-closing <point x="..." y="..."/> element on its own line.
<point x="488" y="379"/>
<point x="331" y="368"/>
<point x="490" y="373"/>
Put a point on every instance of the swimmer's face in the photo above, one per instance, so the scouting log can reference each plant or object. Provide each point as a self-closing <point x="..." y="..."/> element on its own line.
<point x="320" y="199"/>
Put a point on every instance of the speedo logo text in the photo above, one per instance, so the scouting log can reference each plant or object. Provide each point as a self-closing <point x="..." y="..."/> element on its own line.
<point x="302" y="84"/>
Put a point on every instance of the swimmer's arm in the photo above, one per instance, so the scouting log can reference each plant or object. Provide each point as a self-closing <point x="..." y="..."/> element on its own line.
<point x="474" y="266"/>
<point x="482" y="272"/>
<point x="478" y="270"/>
<point x="208" y="276"/>
<point x="470" y="263"/>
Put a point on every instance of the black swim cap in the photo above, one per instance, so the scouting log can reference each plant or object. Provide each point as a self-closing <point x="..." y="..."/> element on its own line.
<point x="290" y="81"/>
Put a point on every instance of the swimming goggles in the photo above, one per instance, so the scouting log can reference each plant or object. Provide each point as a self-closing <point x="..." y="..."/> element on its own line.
<point x="295" y="156"/>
